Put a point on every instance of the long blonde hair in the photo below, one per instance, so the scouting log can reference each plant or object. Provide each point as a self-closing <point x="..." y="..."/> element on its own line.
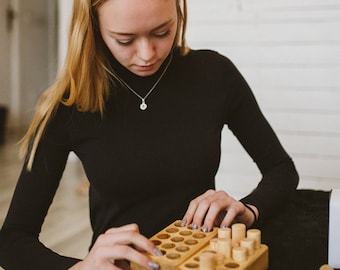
<point x="84" y="79"/>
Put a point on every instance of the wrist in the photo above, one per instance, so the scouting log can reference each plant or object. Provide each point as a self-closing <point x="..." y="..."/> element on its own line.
<point x="76" y="266"/>
<point x="254" y="213"/>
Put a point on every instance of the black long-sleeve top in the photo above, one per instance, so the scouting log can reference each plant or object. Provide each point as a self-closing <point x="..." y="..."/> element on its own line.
<point x="146" y="166"/>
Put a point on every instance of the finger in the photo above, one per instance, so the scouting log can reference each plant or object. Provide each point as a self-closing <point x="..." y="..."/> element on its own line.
<point x="233" y="212"/>
<point x="106" y="257"/>
<point x="189" y="215"/>
<point x="212" y="215"/>
<point x="122" y="264"/>
<point x="128" y="227"/>
<point x="229" y="218"/>
<point x="130" y="254"/>
<point x="200" y="213"/>
<point x="219" y="202"/>
<point x="128" y="237"/>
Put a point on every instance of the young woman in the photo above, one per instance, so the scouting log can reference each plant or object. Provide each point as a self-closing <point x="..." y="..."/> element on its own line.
<point x="144" y="114"/>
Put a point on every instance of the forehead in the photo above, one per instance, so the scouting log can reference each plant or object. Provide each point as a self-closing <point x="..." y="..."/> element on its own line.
<point x="133" y="15"/>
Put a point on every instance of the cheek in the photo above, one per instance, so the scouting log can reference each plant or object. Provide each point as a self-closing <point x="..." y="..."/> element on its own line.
<point x="122" y="54"/>
<point x="167" y="45"/>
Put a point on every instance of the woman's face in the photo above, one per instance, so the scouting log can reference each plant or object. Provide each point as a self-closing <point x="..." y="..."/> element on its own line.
<point x="139" y="33"/>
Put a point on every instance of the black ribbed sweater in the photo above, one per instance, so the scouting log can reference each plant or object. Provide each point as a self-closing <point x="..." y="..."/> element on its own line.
<point x="146" y="166"/>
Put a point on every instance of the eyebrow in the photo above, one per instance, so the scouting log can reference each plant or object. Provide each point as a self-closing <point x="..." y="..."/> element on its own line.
<point x="155" y="29"/>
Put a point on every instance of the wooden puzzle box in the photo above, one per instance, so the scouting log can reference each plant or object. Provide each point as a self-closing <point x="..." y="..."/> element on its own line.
<point x="184" y="248"/>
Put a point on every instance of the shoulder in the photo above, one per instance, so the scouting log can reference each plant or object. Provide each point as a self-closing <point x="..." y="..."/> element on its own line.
<point x="63" y="112"/>
<point x="60" y="120"/>
<point x="207" y="57"/>
<point x="206" y="61"/>
<point x="210" y="65"/>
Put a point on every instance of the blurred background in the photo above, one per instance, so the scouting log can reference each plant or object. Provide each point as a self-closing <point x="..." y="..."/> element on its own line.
<point x="288" y="51"/>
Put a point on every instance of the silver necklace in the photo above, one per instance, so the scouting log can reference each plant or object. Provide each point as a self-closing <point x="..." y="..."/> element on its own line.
<point x="143" y="106"/>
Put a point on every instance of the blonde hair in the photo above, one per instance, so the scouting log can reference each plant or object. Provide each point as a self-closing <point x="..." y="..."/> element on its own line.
<point x="84" y="79"/>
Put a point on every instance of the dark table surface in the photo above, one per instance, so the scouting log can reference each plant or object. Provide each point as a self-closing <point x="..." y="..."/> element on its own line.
<point x="297" y="236"/>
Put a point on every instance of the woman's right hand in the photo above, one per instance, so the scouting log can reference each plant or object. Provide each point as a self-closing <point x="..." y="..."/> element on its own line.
<point x="116" y="246"/>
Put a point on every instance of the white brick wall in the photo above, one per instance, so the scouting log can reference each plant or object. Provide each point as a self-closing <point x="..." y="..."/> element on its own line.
<point x="289" y="52"/>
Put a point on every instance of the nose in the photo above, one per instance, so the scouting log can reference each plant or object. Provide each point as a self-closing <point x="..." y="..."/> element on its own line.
<point x="145" y="50"/>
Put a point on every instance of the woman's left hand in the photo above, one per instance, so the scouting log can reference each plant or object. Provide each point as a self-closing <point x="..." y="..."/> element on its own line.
<point x="217" y="208"/>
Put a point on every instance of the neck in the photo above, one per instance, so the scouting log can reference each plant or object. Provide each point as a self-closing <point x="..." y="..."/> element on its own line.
<point x="137" y="91"/>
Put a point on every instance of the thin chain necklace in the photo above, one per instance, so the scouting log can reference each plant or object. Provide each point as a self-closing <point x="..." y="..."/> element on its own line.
<point x="143" y="106"/>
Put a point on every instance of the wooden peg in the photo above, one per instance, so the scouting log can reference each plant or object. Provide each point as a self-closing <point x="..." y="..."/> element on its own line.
<point x="224" y="247"/>
<point x="240" y="254"/>
<point x="256" y="235"/>
<point x="249" y="244"/>
<point x="207" y="261"/>
<point x="224" y="233"/>
<point x="238" y="232"/>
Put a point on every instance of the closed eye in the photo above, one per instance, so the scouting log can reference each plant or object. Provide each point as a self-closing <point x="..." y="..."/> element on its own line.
<point x="124" y="42"/>
<point x="162" y="34"/>
<point x="127" y="42"/>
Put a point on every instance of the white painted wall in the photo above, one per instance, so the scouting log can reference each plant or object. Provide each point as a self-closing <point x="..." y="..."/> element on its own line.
<point x="289" y="52"/>
<point x="4" y="56"/>
<point x="65" y="8"/>
<point x="28" y="57"/>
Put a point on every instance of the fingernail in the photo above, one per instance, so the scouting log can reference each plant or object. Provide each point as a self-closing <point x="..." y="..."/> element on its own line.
<point x="194" y="226"/>
<point x="205" y="229"/>
<point x="157" y="252"/>
<point x="183" y="223"/>
<point x="153" y="265"/>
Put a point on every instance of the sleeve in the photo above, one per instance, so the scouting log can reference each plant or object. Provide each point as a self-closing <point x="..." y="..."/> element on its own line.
<point x="248" y="124"/>
<point x="20" y="247"/>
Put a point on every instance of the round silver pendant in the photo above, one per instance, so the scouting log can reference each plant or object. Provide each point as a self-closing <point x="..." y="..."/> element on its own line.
<point x="143" y="106"/>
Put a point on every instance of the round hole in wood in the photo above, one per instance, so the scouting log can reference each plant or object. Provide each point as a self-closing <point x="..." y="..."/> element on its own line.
<point x="190" y="227"/>
<point x="168" y="245"/>
<point x="232" y="265"/>
<point x="192" y="265"/>
<point x="178" y="224"/>
<point x="163" y="236"/>
<point x="191" y="242"/>
<point x="199" y="235"/>
<point x="210" y="251"/>
<point x="182" y="249"/>
<point x="185" y="233"/>
<point x="173" y="256"/>
<point x="177" y="239"/>
<point x="156" y="242"/>
<point x="163" y="252"/>
<point x="172" y="230"/>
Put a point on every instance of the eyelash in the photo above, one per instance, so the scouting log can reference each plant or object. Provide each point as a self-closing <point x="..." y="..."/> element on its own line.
<point x="129" y="42"/>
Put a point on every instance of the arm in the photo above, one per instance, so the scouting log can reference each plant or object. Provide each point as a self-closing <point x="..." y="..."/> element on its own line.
<point x="20" y="247"/>
<point x="19" y="244"/>
<point x="114" y="248"/>
<point x="279" y="176"/>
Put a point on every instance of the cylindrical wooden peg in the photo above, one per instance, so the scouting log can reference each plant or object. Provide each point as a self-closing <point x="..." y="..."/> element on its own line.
<point x="249" y="244"/>
<point x="207" y="261"/>
<point x="224" y="247"/>
<point x="239" y="254"/>
<point x="238" y="232"/>
<point x="326" y="267"/>
<point x="213" y="244"/>
<point x="219" y="258"/>
<point x="224" y="233"/>
<point x="256" y="235"/>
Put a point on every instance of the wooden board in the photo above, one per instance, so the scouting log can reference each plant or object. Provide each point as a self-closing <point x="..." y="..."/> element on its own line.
<point x="184" y="248"/>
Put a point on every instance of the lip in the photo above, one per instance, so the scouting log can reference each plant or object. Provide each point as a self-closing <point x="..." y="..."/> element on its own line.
<point x="146" y="67"/>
